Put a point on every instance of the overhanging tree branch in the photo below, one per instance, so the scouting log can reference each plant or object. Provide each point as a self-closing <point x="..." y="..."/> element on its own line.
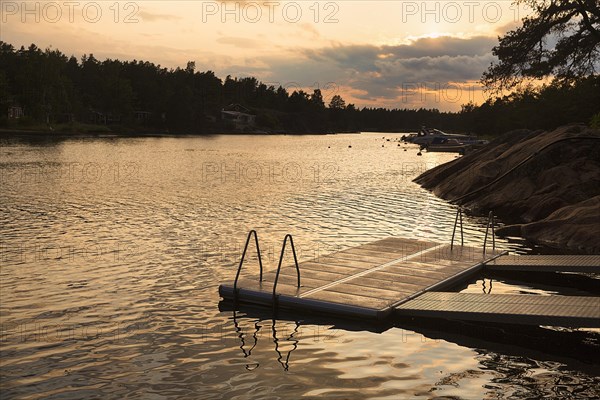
<point x="561" y="39"/>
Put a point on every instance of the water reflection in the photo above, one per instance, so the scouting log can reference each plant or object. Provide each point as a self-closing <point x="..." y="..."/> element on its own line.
<point x="486" y="289"/>
<point x="498" y="345"/>
<point x="535" y="378"/>
<point x="290" y="338"/>
<point x="247" y="352"/>
<point x="543" y="283"/>
<point x="279" y="337"/>
<point x="122" y="243"/>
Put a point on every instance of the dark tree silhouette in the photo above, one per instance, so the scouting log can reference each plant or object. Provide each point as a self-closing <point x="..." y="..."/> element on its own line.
<point x="60" y="92"/>
<point x="561" y="39"/>
<point x="337" y="102"/>
<point x="316" y="100"/>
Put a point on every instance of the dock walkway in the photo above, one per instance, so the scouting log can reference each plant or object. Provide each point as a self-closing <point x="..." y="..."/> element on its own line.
<point x="524" y="309"/>
<point x="364" y="281"/>
<point x="546" y="263"/>
<point x="406" y="277"/>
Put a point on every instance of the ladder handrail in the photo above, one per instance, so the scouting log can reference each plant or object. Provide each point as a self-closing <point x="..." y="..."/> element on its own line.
<point x="491" y="222"/>
<point x="462" y="239"/>
<point x="237" y="275"/>
<point x="279" y="266"/>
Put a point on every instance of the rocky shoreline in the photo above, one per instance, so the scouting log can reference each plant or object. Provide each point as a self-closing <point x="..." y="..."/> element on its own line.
<point x="544" y="184"/>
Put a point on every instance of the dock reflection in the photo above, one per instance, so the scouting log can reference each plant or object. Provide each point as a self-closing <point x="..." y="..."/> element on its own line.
<point x="487" y="289"/>
<point x="238" y="329"/>
<point x="285" y="363"/>
<point x="577" y="349"/>
<point x="278" y="336"/>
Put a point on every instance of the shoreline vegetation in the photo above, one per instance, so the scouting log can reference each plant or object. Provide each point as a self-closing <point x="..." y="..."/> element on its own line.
<point x="96" y="132"/>
<point x="46" y="88"/>
<point x="544" y="184"/>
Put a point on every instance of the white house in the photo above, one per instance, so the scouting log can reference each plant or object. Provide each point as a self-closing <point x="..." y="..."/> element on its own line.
<point x="15" y="112"/>
<point x="239" y="116"/>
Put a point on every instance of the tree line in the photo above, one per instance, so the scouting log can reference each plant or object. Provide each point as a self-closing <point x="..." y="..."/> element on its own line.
<point x="54" y="90"/>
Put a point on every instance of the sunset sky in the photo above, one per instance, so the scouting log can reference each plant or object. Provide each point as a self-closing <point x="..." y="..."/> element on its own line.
<point x="395" y="54"/>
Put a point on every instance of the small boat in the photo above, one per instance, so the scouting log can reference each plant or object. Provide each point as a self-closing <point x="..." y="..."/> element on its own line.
<point x="445" y="145"/>
<point x="427" y="135"/>
<point x="436" y="140"/>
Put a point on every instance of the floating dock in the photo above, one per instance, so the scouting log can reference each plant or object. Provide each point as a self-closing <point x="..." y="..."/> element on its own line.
<point x="407" y="277"/>
<point x="506" y="308"/>
<point x="546" y="263"/>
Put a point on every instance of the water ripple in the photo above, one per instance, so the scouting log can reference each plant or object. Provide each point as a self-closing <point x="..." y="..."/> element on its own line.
<point x="112" y="250"/>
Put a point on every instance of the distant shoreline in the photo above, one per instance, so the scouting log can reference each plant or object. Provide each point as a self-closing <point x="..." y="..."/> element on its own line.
<point x="8" y="133"/>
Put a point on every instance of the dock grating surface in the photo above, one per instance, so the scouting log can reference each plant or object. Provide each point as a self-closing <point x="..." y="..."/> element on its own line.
<point x="506" y="308"/>
<point x="546" y="263"/>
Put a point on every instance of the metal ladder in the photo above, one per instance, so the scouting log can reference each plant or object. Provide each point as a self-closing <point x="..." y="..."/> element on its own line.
<point x="275" y="295"/>
<point x="237" y="276"/>
<point x="462" y="238"/>
<point x="490" y="224"/>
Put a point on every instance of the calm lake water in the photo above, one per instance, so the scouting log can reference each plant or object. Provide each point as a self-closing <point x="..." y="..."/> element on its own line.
<point x="113" y="250"/>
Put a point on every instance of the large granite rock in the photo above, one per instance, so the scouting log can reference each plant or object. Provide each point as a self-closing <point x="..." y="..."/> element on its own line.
<point x="546" y="184"/>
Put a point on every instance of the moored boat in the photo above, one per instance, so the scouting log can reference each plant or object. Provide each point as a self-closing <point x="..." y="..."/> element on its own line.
<point x="437" y="140"/>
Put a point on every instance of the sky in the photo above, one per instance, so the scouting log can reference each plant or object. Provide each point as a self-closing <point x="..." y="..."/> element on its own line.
<point x="393" y="54"/>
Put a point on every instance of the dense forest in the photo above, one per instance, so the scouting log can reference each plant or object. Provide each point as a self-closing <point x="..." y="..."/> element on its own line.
<point x="46" y="88"/>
